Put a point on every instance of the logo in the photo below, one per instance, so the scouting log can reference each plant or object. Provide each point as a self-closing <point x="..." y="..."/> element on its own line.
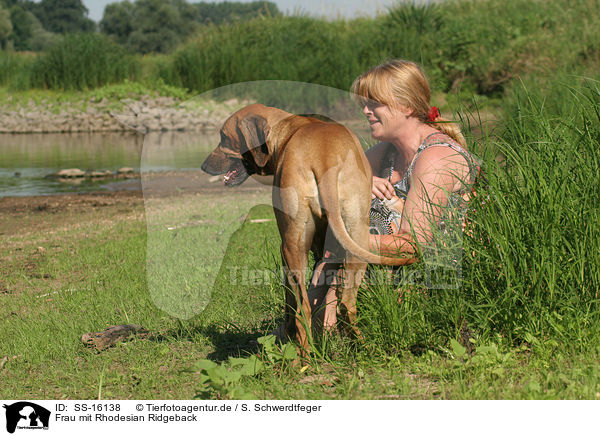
<point x="25" y="415"/>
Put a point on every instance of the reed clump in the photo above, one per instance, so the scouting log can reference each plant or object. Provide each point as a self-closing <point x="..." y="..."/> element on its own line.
<point x="83" y="61"/>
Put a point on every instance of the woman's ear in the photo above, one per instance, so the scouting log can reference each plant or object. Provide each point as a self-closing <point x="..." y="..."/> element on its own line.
<point x="406" y="111"/>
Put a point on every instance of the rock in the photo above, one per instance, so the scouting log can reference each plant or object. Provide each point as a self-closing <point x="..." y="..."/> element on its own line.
<point x="125" y="170"/>
<point x="153" y="125"/>
<point x="72" y="181"/>
<point x="112" y="335"/>
<point x="70" y="173"/>
<point x="145" y="114"/>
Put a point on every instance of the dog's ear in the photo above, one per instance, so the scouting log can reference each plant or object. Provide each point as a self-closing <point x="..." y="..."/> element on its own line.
<point x="254" y="130"/>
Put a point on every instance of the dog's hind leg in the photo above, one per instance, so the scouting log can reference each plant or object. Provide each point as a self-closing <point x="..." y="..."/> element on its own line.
<point x="353" y="272"/>
<point x="295" y="247"/>
<point x="351" y="277"/>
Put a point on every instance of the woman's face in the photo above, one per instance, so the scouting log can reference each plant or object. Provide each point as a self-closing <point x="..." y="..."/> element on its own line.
<point x="385" y="122"/>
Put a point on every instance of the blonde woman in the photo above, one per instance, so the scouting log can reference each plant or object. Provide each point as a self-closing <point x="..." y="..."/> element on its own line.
<point x="420" y="166"/>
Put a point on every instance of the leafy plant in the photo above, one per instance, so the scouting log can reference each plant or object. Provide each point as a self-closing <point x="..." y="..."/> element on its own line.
<point x="224" y="378"/>
<point x="274" y="354"/>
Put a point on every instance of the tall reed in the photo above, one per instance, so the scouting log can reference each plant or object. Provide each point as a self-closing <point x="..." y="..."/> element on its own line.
<point x="15" y="69"/>
<point x="282" y="48"/>
<point x="82" y="61"/>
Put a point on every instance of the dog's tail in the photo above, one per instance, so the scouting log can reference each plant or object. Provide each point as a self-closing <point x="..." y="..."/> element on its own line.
<point x="331" y="203"/>
<point x="339" y="230"/>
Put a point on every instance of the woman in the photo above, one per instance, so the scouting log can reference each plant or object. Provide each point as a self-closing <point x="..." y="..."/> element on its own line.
<point x="421" y="168"/>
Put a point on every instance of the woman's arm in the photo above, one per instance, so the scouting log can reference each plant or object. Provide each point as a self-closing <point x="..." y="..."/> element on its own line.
<point x="437" y="173"/>
<point x="392" y="245"/>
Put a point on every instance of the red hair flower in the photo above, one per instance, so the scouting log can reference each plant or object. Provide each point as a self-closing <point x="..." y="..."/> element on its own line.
<point x="433" y="113"/>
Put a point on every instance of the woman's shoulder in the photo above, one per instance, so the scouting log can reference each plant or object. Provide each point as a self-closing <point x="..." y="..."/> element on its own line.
<point x="440" y="151"/>
<point x="441" y="138"/>
<point x="442" y="144"/>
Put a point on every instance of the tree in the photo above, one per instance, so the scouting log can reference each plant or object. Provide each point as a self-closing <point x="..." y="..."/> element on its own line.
<point x="117" y="21"/>
<point x="64" y="16"/>
<point x="41" y="39"/>
<point x="5" y="26"/>
<point x="22" y="22"/>
<point x="22" y="3"/>
<point x="157" y="26"/>
<point x="149" y="25"/>
<point x="217" y="13"/>
<point x="160" y="25"/>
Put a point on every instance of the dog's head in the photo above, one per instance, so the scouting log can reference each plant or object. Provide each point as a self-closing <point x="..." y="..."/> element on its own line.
<point x="243" y="149"/>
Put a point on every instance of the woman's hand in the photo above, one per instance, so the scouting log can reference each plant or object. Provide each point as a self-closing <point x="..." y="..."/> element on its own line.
<point x="382" y="188"/>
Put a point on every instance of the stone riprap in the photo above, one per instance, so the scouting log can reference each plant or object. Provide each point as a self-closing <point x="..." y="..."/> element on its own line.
<point x="70" y="174"/>
<point x="145" y="114"/>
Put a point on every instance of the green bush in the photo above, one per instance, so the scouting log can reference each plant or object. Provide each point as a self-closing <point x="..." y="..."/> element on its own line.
<point x="283" y="48"/>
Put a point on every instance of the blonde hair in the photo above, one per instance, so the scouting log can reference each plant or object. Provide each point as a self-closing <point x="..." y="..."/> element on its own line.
<point x="403" y="83"/>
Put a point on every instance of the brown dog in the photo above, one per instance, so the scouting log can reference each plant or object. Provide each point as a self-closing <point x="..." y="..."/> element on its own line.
<point x="322" y="180"/>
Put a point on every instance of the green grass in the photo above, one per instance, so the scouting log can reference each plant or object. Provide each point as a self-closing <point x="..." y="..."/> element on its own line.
<point x="15" y="69"/>
<point x="109" y="97"/>
<point x="540" y="222"/>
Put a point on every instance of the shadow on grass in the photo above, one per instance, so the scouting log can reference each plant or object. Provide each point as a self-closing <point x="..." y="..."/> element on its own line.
<point x="226" y="340"/>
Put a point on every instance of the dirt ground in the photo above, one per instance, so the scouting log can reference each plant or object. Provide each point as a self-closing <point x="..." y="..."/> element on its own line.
<point x="53" y="204"/>
<point x="36" y="228"/>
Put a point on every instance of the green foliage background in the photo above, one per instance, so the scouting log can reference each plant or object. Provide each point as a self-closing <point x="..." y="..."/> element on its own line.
<point x="475" y="47"/>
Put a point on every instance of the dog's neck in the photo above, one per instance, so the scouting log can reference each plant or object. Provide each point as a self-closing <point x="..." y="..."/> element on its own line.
<point x="282" y="130"/>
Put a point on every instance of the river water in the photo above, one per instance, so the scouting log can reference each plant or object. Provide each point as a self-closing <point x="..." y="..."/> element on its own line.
<point x="27" y="159"/>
